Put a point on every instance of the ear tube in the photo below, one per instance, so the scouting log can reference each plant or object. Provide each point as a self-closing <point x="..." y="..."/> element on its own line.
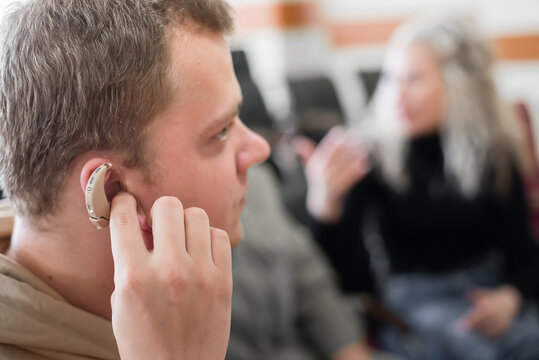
<point x="96" y="199"/>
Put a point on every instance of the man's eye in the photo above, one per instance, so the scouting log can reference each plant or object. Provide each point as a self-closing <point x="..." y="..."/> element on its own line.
<point x="223" y="134"/>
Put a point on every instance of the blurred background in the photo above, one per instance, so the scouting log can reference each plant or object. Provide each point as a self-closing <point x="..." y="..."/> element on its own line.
<point x="305" y="66"/>
<point x="287" y="41"/>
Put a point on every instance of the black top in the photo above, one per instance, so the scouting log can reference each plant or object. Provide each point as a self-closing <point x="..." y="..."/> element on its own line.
<point x="431" y="227"/>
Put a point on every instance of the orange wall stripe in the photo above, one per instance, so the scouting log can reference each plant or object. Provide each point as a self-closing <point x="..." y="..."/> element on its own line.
<point x="363" y="33"/>
<point x="287" y="15"/>
<point x="305" y="14"/>
<point x="518" y="47"/>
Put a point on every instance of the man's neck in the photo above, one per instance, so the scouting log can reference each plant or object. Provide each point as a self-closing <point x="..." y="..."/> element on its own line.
<point x="74" y="259"/>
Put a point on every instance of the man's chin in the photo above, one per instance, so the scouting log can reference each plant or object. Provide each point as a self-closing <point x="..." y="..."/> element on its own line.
<point x="236" y="236"/>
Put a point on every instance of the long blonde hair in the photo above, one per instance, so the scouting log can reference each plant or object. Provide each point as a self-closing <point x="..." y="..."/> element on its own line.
<point x="478" y="134"/>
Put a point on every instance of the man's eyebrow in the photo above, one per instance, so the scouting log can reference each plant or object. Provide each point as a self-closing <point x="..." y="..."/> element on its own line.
<point x="220" y="122"/>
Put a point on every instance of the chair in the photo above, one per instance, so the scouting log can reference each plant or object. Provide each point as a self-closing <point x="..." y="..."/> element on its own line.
<point x="317" y="106"/>
<point x="254" y="112"/>
<point x="369" y="80"/>
<point x="531" y="174"/>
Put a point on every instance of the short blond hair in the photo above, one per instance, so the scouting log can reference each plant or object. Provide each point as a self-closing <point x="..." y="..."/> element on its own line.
<point x="82" y="75"/>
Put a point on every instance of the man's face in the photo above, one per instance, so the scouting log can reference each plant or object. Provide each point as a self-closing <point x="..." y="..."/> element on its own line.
<point x="199" y="149"/>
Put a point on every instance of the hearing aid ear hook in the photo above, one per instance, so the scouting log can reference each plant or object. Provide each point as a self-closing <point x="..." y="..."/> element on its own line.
<point x="96" y="200"/>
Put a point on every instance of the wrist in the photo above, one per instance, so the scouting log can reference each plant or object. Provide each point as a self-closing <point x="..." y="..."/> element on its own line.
<point x="324" y="209"/>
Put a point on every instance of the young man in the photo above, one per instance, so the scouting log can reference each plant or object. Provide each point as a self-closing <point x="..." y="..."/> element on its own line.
<point x="147" y="86"/>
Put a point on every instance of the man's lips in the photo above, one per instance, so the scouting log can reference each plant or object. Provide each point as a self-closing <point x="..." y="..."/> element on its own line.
<point x="243" y="201"/>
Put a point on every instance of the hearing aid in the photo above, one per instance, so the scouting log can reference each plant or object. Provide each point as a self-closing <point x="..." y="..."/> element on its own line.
<point x="97" y="203"/>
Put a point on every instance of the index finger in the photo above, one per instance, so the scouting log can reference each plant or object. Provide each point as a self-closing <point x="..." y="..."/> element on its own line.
<point x="126" y="238"/>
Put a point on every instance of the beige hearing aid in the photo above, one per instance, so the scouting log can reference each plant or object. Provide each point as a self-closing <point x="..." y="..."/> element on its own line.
<point x="96" y="200"/>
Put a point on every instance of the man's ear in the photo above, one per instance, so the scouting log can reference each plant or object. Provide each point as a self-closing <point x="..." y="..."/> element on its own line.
<point x="113" y="178"/>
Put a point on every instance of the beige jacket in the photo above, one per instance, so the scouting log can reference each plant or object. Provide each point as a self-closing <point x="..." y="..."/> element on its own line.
<point x="38" y="323"/>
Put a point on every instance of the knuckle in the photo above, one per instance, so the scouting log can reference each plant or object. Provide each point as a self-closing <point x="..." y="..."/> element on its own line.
<point x="204" y="282"/>
<point x="129" y="283"/>
<point x="173" y="279"/>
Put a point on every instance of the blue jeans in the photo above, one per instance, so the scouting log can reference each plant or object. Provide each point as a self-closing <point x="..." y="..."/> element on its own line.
<point x="432" y="304"/>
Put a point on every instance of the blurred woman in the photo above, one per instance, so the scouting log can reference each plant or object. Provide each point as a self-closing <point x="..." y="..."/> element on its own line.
<point x="439" y="171"/>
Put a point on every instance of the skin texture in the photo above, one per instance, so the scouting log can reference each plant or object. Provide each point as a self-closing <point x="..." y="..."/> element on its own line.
<point x="200" y="152"/>
<point x="208" y="167"/>
<point x="190" y="269"/>
<point x="412" y="76"/>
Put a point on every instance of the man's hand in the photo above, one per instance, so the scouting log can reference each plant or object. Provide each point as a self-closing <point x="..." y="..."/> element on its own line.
<point x="493" y="311"/>
<point x="332" y="169"/>
<point x="175" y="301"/>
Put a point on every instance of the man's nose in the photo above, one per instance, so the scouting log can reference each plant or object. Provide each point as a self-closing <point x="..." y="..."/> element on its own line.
<point x="254" y="151"/>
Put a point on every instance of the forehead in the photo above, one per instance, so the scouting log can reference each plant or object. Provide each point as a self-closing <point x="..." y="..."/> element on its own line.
<point x="412" y="56"/>
<point x="200" y="62"/>
<point x="201" y="78"/>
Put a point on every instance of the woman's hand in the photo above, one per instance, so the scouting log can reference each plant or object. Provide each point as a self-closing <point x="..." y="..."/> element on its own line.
<point x="173" y="302"/>
<point x="332" y="168"/>
<point x="493" y="311"/>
